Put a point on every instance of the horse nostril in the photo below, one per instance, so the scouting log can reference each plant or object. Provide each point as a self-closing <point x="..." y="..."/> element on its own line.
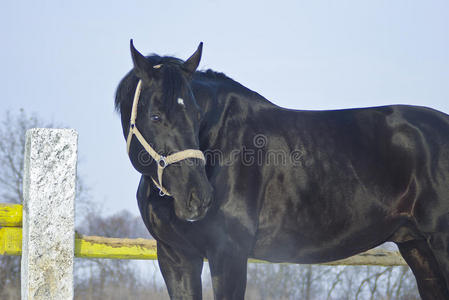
<point x="197" y="203"/>
<point x="194" y="201"/>
<point x="207" y="202"/>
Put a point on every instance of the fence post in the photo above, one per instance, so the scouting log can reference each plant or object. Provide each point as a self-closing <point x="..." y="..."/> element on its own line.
<point x="48" y="214"/>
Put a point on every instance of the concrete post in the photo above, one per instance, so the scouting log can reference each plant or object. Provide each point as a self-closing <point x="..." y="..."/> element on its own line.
<point x="48" y="214"/>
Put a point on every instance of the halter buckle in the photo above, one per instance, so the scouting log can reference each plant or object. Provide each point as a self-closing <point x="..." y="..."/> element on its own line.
<point x="162" y="162"/>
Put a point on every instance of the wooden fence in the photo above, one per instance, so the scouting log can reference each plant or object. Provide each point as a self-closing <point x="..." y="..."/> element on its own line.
<point x="42" y="230"/>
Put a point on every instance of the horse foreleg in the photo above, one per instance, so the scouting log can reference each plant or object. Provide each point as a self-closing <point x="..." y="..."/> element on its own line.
<point x="181" y="272"/>
<point x="228" y="276"/>
<point x="430" y="280"/>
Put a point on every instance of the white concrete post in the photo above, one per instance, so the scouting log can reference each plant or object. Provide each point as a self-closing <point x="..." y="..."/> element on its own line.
<point x="48" y="214"/>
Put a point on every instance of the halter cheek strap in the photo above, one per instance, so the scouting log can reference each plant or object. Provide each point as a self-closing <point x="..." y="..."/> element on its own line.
<point x="162" y="161"/>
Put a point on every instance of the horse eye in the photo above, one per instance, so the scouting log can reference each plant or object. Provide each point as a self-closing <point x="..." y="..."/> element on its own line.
<point x="155" y="118"/>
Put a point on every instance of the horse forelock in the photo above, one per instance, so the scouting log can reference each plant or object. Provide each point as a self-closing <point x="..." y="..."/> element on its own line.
<point x="174" y="83"/>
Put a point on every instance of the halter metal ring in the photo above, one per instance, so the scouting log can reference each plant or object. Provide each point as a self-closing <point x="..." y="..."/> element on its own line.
<point x="162" y="162"/>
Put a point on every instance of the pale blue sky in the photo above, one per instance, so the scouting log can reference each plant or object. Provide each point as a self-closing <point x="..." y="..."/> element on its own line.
<point x="63" y="60"/>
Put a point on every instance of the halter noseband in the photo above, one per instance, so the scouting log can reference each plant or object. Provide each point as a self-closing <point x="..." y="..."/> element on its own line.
<point x="162" y="161"/>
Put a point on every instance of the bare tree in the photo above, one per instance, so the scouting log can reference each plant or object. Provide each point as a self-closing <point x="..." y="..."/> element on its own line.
<point x="12" y="147"/>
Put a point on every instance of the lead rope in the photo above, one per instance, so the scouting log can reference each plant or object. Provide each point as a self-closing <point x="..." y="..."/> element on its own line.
<point x="162" y="161"/>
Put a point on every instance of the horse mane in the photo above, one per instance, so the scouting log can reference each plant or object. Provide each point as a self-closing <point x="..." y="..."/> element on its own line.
<point x="211" y="74"/>
<point x="219" y="76"/>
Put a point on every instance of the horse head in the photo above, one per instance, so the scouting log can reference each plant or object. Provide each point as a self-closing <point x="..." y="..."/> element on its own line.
<point x="161" y="120"/>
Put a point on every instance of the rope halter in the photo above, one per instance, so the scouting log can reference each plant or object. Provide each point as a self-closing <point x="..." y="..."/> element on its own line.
<point x="162" y="161"/>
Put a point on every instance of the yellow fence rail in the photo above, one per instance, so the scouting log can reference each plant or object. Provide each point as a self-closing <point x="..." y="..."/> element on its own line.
<point x="115" y="248"/>
<point x="87" y="246"/>
<point x="10" y="215"/>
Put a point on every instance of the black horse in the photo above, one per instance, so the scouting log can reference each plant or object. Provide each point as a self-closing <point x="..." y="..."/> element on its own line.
<point x="277" y="184"/>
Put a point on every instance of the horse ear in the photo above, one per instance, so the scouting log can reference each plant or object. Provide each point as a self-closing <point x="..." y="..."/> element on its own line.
<point x="142" y="67"/>
<point x="192" y="63"/>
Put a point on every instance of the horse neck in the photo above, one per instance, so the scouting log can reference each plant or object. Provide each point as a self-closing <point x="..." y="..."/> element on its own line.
<point x="222" y="100"/>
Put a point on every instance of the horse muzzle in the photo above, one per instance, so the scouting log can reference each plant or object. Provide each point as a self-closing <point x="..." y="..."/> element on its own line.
<point x="196" y="205"/>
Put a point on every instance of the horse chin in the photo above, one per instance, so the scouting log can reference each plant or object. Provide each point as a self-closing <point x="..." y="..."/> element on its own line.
<point x="186" y="213"/>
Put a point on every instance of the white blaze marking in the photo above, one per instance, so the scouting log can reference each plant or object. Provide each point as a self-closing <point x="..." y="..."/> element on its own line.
<point x="181" y="101"/>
